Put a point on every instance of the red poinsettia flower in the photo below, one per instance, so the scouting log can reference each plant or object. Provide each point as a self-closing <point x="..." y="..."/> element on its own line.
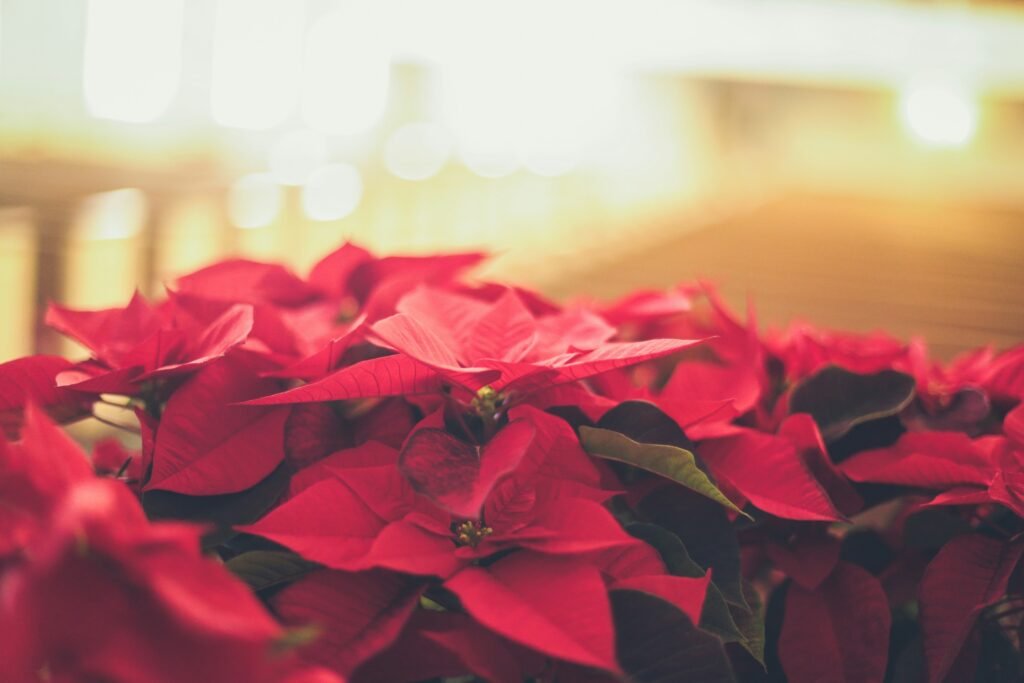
<point x="782" y="473"/>
<point x="33" y="379"/>
<point x="35" y="474"/>
<point x="92" y="591"/>
<point x="509" y="617"/>
<point x="804" y="349"/>
<point x="441" y="504"/>
<point x="446" y="339"/>
<point x="705" y="391"/>
<point x="308" y="324"/>
<point x="142" y="343"/>
<point x="963" y="470"/>
<point x="103" y="595"/>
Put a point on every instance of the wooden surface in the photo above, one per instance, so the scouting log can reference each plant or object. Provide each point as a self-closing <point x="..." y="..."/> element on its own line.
<point x="954" y="274"/>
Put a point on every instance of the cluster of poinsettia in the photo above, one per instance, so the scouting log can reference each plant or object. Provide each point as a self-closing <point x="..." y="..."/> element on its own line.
<point x="379" y="472"/>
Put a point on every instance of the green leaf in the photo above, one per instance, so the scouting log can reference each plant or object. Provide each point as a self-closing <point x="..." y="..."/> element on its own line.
<point x="717" y="616"/>
<point x="223" y="511"/>
<point x="656" y="643"/>
<point x="263" y="569"/>
<point x="750" y="623"/>
<point x="668" y="461"/>
<point x="704" y="530"/>
<point x="731" y="623"/>
<point x="646" y="423"/>
<point x="839" y="400"/>
<point x="673" y="552"/>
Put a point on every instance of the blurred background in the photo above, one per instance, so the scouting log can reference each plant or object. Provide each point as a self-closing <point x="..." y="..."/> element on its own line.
<point x="858" y="164"/>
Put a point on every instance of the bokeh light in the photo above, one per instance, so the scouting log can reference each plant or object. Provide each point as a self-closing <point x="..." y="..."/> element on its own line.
<point x="296" y="155"/>
<point x="254" y="201"/>
<point x="132" y="58"/>
<point x="417" y="151"/>
<point x="332" y="192"/>
<point x="117" y="214"/>
<point x="256" y="61"/>
<point x="347" y="68"/>
<point x="939" y="114"/>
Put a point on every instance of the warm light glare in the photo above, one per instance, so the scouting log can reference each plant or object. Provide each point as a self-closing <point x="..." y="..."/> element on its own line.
<point x="417" y="151"/>
<point x="346" y="72"/>
<point x="114" y="215"/>
<point x="18" y="262"/>
<point x="256" y="61"/>
<point x="254" y="201"/>
<point x="491" y="159"/>
<point x="132" y="59"/>
<point x="940" y="115"/>
<point x="296" y="155"/>
<point x="526" y="97"/>
<point x="332" y="192"/>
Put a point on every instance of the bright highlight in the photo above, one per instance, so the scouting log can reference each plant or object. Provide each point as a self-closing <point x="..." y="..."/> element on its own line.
<point x="132" y="60"/>
<point x="417" y="151"/>
<point x="296" y="155"/>
<point x="257" y="55"/>
<point x="332" y="192"/>
<point x="347" y="70"/>
<point x="254" y="201"/>
<point x="940" y="115"/>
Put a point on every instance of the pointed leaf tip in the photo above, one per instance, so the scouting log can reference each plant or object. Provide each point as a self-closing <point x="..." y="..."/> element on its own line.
<point x="670" y="462"/>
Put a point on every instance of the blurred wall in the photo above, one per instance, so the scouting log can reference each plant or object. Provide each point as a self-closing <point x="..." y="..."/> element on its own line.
<point x="594" y="147"/>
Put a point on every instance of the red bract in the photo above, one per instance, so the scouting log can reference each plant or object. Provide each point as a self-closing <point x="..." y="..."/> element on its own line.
<point x="557" y="606"/>
<point x="963" y="470"/>
<point x="771" y="473"/>
<point x="92" y="591"/>
<point x="804" y="349"/>
<point x="307" y="325"/>
<point x="477" y="481"/>
<point x="839" y="631"/>
<point x="105" y="596"/>
<point x="205" y="445"/>
<point x="362" y="501"/>
<point x="355" y="615"/>
<point x="141" y="343"/>
<point x="35" y="474"/>
<point x="454" y="340"/>
<point x="34" y="380"/>
<point x="970" y="573"/>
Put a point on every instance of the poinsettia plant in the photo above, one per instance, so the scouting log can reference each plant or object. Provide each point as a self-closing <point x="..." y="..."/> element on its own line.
<point x="386" y="472"/>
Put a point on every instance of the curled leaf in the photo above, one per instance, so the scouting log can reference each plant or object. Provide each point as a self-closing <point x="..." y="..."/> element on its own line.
<point x="668" y="461"/>
<point x="840" y="400"/>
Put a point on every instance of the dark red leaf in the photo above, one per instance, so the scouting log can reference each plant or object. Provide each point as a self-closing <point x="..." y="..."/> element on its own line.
<point x="658" y="643"/>
<point x="448" y="645"/>
<point x="808" y="558"/>
<point x="356" y="615"/>
<point x="312" y="431"/>
<point x="205" y="445"/>
<point x="686" y="594"/>
<point x="840" y="400"/>
<point x="459" y="476"/>
<point x="838" y="632"/>
<point x="969" y="573"/>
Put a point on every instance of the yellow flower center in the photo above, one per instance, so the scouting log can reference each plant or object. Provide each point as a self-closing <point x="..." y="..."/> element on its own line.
<point x="470" y="533"/>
